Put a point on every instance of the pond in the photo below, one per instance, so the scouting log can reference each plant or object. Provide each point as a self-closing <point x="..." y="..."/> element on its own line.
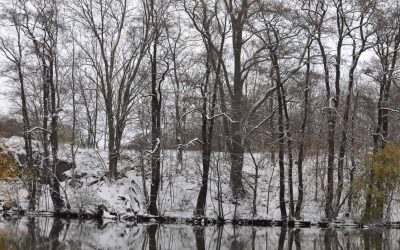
<point x="51" y="233"/>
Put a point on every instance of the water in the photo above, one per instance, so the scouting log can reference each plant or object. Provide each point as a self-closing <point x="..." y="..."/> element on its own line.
<point x="50" y="233"/>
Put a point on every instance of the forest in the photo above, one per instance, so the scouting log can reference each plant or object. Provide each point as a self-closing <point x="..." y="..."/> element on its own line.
<point x="261" y="101"/>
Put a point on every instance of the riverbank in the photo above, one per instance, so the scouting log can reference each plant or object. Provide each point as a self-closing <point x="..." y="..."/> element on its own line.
<point x="139" y="219"/>
<point x="88" y="193"/>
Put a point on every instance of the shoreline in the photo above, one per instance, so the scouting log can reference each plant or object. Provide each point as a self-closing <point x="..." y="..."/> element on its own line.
<point x="196" y="221"/>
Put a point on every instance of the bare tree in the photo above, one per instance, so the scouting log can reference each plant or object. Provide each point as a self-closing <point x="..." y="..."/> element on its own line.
<point x="363" y="35"/>
<point x="203" y="17"/>
<point x="238" y="13"/>
<point x="117" y="45"/>
<point x="158" y="23"/>
<point x="14" y="52"/>
<point x="40" y="24"/>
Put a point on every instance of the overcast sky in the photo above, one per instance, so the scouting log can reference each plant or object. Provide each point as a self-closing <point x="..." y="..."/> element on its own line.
<point x="4" y="99"/>
<point x="4" y="89"/>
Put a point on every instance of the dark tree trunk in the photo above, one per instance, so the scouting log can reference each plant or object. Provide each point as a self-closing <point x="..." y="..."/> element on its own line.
<point x="208" y="123"/>
<point x="237" y="150"/>
<point x="155" y="133"/>
<point x="54" y="182"/>
<point x="281" y="157"/>
<point x="178" y="122"/>
<point x="27" y="135"/>
<point x="206" y="148"/>
<point x="45" y="124"/>
<point x="112" y="153"/>
<point x="255" y="187"/>
<point x="300" y="157"/>
<point x="207" y="136"/>
<point x="331" y="159"/>
<point x="346" y="116"/>
<point x="331" y="124"/>
<point x="94" y="133"/>
<point x="289" y="152"/>
<point x="238" y="19"/>
<point x="178" y="134"/>
<point x="352" y="157"/>
<point x="340" y="22"/>
<point x="281" y="133"/>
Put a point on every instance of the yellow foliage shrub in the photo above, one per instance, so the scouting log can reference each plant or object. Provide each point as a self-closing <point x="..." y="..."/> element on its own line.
<point x="8" y="166"/>
<point x="373" y="190"/>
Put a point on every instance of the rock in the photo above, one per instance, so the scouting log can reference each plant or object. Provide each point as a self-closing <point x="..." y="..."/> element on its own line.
<point x="7" y="216"/>
<point x="100" y="210"/>
<point x="108" y="215"/>
<point x="122" y="198"/>
<point x="129" y="217"/>
<point x="7" y="206"/>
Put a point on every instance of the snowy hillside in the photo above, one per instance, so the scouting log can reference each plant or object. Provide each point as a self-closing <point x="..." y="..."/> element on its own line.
<point x="179" y="189"/>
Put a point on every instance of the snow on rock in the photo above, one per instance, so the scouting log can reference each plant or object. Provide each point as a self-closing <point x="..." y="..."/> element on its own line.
<point x="88" y="189"/>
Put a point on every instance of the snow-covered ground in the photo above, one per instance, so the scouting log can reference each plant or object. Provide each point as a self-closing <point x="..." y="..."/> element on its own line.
<point x="179" y="187"/>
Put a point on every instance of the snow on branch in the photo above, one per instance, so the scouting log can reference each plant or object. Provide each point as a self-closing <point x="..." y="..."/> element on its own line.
<point x="191" y="142"/>
<point x="38" y="128"/>
<point x="219" y="115"/>
<point x="391" y="110"/>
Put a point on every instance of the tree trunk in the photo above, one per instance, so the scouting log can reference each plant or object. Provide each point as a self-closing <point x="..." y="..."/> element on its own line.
<point x="206" y="148"/>
<point x="352" y="157"/>
<point x="281" y="157"/>
<point x="178" y="123"/>
<point x="300" y="157"/>
<point x="346" y="115"/>
<point x="207" y="136"/>
<point x="112" y="154"/>
<point x="208" y="123"/>
<point x="332" y="121"/>
<point x="331" y="124"/>
<point x="54" y="182"/>
<point x="28" y="144"/>
<point x="289" y="152"/>
<point x="155" y="134"/>
<point x="331" y="159"/>
<point x="281" y="133"/>
<point x="237" y="150"/>
<point x="236" y="136"/>
<point x="255" y="188"/>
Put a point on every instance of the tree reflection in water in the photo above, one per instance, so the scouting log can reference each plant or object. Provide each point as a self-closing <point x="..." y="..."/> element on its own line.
<point x="50" y="233"/>
<point x="151" y="231"/>
<point x="200" y="241"/>
<point x="28" y="234"/>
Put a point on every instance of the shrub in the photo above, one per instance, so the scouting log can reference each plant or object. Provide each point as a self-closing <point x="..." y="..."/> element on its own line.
<point x="8" y="166"/>
<point x="375" y="187"/>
